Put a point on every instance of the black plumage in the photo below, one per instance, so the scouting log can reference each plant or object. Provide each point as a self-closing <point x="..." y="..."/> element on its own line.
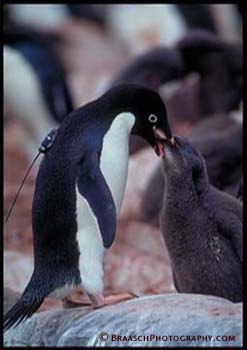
<point x="198" y="16"/>
<point x="201" y="225"/>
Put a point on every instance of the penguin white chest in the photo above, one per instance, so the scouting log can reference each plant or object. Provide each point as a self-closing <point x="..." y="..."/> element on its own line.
<point x="115" y="156"/>
<point x="114" y="166"/>
<point x="114" y="161"/>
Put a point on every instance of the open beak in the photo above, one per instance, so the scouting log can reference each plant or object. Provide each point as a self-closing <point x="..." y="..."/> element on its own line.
<point x="160" y="139"/>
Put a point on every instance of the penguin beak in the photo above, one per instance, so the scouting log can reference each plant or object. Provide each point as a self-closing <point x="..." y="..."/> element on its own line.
<point x="160" y="139"/>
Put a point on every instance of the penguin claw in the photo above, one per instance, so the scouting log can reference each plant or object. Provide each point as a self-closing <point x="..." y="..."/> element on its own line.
<point x="97" y="300"/>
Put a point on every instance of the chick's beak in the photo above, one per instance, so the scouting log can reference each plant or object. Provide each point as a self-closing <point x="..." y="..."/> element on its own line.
<point x="160" y="139"/>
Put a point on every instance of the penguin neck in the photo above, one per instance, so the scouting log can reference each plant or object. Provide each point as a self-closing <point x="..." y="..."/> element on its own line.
<point x="182" y="188"/>
<point x="179" y="189"/>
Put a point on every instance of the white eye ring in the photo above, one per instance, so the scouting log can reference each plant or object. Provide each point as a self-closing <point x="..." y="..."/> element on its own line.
<point x="153" y="118"/>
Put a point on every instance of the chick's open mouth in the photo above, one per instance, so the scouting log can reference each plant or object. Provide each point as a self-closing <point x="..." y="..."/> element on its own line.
<point x="160" y="140"/>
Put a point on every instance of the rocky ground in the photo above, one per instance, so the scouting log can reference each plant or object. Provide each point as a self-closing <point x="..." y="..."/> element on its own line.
<point x="165" y="320"/>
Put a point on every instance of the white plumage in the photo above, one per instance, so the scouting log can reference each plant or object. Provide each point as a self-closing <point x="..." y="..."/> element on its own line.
<point x="114" y="166"/>
<point x="22" y="92"/>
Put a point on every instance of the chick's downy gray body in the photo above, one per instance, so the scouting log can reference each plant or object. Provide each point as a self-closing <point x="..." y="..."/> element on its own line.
<point x="220" y="142"/>
<point x="202" y="227"/>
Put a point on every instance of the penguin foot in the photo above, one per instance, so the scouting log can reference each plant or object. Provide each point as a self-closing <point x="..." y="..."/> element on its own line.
<point x="97" y="300"/>
<point x="68" y="303"/>
<point x="117" y="298"/>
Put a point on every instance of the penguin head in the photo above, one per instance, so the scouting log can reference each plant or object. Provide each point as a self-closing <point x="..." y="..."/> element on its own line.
<point x="151" y="119"/>
<point x="183" y="161"/>
<point x="146" y="105"/>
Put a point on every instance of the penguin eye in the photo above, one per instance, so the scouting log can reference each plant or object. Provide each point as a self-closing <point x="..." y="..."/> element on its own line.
<point x="153" y="118"/>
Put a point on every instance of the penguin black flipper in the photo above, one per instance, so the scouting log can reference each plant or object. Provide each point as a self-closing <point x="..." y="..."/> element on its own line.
<point x="229" y="231"/>
<point x="232" y="229"/>
<point x="175" y="282"/>
<point x="93" y="187"/>
<point x="240" y="190"/>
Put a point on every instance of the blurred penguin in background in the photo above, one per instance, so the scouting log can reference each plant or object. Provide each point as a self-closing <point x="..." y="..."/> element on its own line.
<point x="54" y="15"/>
<point x="219" y="65"/>
<point x="35" y="87"/>
<point x="147" y="24"/>
<point x="212" y="81"/>
<point x="152" y="25"/>
<point x="154" y="68"/>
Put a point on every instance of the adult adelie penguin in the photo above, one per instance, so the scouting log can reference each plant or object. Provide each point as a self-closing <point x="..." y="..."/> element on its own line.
<point x="79" y="192"/>
<point x="202" y="227"/>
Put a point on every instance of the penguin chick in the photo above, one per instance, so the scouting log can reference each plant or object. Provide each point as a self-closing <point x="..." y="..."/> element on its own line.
<point x="220" y="141"/>
<point x="201" y="225"/>
<point x="79" y="191"/>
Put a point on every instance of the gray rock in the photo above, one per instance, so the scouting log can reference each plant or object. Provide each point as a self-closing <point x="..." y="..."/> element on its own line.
<point x="173" y="317"/>
<point x="44" y="328"/>
<point x="18" y="268"/>
<point x="10" y="298"/>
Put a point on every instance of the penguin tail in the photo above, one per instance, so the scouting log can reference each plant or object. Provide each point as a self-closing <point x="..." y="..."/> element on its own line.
<point x="26" y="306"/>
<point x="20" y="312"/>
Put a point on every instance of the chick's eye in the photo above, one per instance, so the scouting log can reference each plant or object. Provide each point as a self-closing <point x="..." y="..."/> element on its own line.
<point x="153" y="118"/>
